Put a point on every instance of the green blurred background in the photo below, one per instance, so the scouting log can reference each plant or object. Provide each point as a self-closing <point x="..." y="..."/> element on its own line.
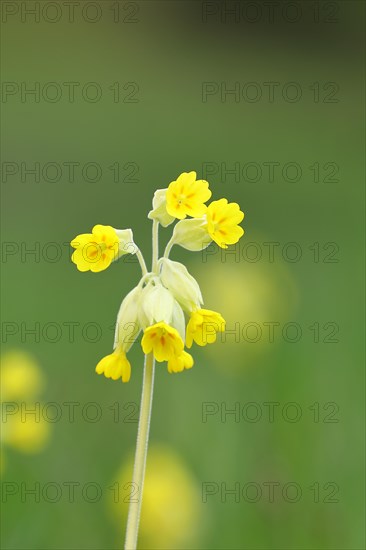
<point x="169" y="50"/>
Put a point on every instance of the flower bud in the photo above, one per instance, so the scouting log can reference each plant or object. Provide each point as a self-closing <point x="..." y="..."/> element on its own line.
<point x="185" y="289"/>
<point x="192" y="234"/>
<point x="159" y="211"/>
<point x="128" y="326"/>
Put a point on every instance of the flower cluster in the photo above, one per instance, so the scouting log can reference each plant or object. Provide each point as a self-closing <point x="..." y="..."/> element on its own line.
<point x="166" y="305"/>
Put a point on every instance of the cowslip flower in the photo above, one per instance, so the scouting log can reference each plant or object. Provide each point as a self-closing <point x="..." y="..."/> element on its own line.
<point x="220" y="224"/>
<point x="163" y="340"/>
<point x="115" y="366"/>
<point x="180" y="362"/>
<point x="203" y="327"/>
<point x="96" y="251"/>
<point x="166" y="344"/>
<point x="223" y="220"/>
<point x="186" y="196"/>
<point x="166" y="305"/>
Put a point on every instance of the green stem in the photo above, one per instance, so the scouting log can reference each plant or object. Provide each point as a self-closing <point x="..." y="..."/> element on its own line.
<point x="139" y="467"/>
<point x="168" y="248"/>
<point x="155" y="241"/>
<point x="141" y="261"/>
<point x="141" y="453"/>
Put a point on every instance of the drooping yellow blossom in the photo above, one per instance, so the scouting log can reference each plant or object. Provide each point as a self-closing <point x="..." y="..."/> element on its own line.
<point x="164" y="341"/>
<point x="203" y="327"/>
<point x="96" y="251"/>
<point x="186" y="196"/>
<point x="223" y="218"/>
<point x="115" y="365"/>
<point x="178" y="364"/>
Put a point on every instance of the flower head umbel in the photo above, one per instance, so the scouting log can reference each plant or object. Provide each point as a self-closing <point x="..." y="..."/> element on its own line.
<point x="167" y="303"/>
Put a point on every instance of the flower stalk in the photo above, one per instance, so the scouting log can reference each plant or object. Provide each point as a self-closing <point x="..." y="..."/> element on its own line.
<point x="143" y="431"/>
<point x="139" y="468"/>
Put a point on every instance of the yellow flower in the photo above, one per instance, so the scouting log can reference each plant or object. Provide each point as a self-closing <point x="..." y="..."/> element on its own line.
<point x="203" y="326"/>
<point x="181" y="362"/>
<point x="222" y="222"/>
<point x="115" y="365"/>
<point x="96" y="251"/>
<point x="186" y="196"/>
<point x="163" y="340"/>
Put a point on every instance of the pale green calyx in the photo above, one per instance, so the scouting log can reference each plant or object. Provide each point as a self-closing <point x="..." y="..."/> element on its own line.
<point x="159" y="211"/>
<point x="126" y="244"/>
<point x="185" y="289"/>
<point x="157" y="305"/>
<point x="192" y="234"/>
<point x="128" y="326"/>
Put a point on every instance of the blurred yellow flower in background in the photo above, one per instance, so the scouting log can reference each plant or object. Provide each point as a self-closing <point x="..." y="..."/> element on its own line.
<point x="22" y="424"/>
<point x="27" y="435"/>
<point x="20" y="376"/>
<point x="171" y="506"/>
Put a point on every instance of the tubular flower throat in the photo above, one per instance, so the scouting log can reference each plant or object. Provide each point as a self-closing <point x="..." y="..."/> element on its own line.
<point x="223" y="218"/>
<point x="203" y="327"/>
<point x="115" y="365"/>
<point x="95" y="251"/>
<point x="163" y="340"/>
<point x="186" y="196"/>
